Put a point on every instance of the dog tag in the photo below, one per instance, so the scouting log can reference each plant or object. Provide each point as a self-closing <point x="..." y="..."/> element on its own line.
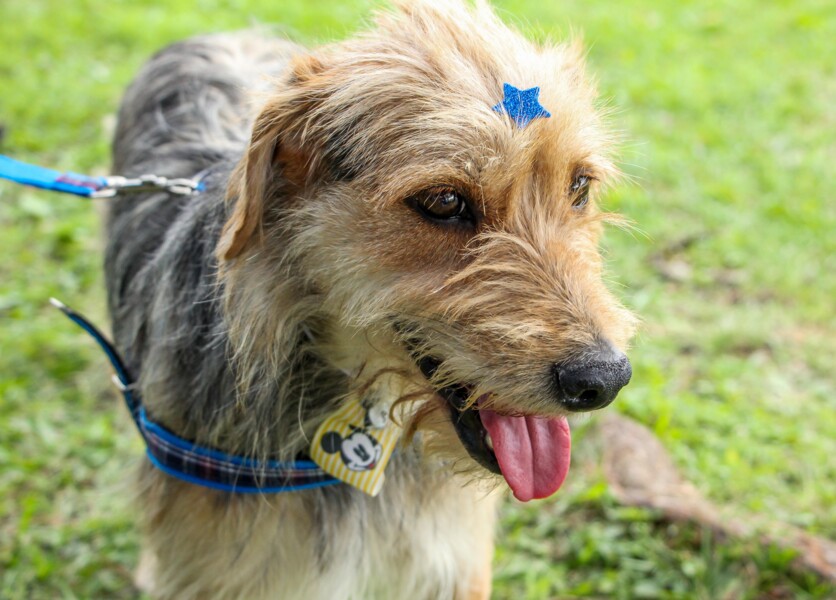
<point x="354" y="445"/>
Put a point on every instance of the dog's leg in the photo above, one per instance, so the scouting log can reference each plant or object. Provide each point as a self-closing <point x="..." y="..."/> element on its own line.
<point x="479" y="584"/>
<point x="144" y="574"/>
<point x="479" y="587"/>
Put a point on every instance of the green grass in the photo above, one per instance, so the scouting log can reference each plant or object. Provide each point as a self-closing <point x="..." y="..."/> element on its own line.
<point x="728" y="113"/>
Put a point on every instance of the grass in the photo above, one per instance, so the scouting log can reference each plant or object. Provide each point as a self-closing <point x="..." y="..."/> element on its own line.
<point x="728" y="116"/>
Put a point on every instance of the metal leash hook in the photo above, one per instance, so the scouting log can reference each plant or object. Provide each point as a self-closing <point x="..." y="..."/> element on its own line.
<point x="147" y="183"/>
<point x="95" y="187"/>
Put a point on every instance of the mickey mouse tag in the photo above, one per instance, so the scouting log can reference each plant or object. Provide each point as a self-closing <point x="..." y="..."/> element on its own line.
<point x="354" y="445"/>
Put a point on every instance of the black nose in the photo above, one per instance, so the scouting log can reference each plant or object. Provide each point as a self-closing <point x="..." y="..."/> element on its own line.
<point x="592" y="382"/>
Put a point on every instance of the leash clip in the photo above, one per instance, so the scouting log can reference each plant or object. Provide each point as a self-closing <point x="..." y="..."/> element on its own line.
<point x="147" y="183"/>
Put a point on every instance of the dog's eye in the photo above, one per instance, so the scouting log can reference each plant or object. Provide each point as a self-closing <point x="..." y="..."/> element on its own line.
<point x="580" y="191"/>
<point x="442" y="205"/>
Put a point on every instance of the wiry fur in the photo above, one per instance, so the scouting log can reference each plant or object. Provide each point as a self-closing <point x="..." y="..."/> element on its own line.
<point x="301" y="276"/>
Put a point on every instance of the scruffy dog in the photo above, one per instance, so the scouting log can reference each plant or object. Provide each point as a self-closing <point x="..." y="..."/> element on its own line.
<point x="402" y="220"/>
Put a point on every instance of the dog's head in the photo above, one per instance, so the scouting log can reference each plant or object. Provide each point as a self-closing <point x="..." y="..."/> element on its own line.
<point x="388" y="180"/>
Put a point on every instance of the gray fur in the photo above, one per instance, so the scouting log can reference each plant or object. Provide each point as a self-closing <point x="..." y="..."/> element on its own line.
<point x="186" y="114"/>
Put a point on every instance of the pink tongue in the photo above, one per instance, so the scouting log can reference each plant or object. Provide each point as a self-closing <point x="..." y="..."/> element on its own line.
<point x="533" y="452"/>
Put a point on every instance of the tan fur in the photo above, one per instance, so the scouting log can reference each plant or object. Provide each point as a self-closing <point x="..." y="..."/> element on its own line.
<point x="407" y="106"/>
<point x="526" y="286"/>
<point x="264" y="547"/>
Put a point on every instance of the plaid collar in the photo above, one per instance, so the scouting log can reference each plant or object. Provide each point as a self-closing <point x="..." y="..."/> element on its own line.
<point x="197" y="464"/>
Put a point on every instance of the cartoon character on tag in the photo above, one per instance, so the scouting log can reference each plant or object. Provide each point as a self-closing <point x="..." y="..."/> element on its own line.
<point x="354" y="444"/>
<point x="359" y="451"/>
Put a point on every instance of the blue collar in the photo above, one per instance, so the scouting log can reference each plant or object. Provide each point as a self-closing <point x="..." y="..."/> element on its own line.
<point x="170" y="453"/>
<point x="197" y="464"/>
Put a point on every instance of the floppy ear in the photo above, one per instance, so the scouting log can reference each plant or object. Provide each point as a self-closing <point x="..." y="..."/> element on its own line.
<point x="276" y="161"/>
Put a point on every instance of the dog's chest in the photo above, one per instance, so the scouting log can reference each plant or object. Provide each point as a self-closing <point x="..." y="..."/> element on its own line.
<point x="404" y="544"/>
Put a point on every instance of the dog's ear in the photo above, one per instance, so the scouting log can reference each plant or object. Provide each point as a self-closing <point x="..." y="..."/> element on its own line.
<point x="278" y="161"/>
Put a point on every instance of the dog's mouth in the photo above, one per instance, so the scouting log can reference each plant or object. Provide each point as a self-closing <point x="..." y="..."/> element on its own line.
<point x="531" y="452"/>
<point x="472" y="433"/>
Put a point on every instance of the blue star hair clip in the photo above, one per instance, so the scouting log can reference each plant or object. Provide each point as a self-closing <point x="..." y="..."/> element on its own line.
<point x="521" y="105"/>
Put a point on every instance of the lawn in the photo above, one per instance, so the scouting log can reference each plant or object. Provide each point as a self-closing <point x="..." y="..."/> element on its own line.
<point x="728" y="118"/>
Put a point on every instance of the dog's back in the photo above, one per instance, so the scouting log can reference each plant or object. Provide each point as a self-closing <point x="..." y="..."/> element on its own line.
<point x="189" y="107"/>
<point x="187" y="110"/>
<point x="187" y="114"/>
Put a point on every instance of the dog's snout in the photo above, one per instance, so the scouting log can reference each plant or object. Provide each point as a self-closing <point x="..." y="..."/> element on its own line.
<point x="592" y="382"/>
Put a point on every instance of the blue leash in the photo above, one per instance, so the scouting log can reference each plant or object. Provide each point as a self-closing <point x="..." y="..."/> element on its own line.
<point x="197" y="464"/>
<point x="92" y="187"/>
<point x="69" y="183"/>
<point x="176" y="456"/>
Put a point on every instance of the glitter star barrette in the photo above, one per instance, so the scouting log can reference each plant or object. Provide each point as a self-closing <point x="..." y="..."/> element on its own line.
<point x="523" y="106"/>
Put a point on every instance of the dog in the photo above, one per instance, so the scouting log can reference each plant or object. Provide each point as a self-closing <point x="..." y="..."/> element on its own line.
<point x="404" y="220"/>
